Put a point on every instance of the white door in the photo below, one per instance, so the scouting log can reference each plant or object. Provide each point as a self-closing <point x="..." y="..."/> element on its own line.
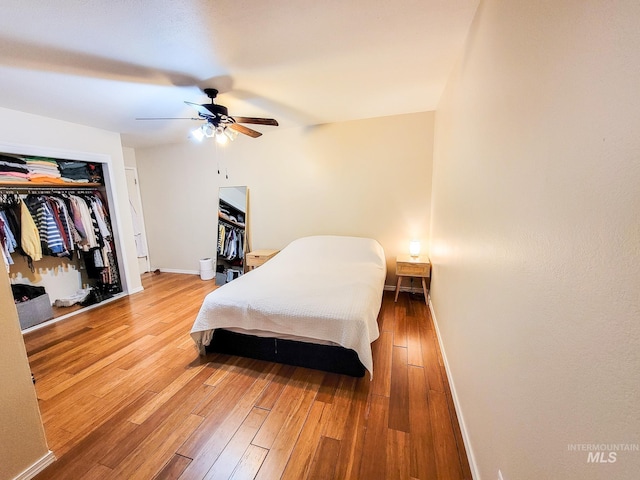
<point x="138" y="219"/>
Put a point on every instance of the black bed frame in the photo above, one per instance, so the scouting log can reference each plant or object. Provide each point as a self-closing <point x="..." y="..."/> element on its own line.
<point x="327" y="358"/>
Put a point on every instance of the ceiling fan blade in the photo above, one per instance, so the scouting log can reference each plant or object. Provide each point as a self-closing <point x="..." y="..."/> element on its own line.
<point x="204" y="112"/>
<point x="259" y="121"/>
<point x="243" y="129"/>
<point x="168" y="118"/>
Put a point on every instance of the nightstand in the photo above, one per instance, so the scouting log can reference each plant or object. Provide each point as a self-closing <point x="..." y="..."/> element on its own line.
<point x="408" y="266"/>
<point x="258" y="257"/>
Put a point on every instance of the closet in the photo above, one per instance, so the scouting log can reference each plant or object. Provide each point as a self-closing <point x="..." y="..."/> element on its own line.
<point x="56" y="236"/>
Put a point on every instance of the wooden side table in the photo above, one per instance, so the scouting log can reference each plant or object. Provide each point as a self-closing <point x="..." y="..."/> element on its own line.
<point x="408" y="266"/>
<point x="258" y="257"/>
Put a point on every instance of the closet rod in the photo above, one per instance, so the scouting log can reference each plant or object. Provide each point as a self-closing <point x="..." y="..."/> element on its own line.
<point x="231" y="224"/>
<point x="46" y="190"/>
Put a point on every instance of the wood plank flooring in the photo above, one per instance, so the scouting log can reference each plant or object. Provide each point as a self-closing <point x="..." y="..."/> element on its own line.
<point x="124" y="395"/>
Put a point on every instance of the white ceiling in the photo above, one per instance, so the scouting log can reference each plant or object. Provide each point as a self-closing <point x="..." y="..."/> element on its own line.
<point x="104" y="63"/>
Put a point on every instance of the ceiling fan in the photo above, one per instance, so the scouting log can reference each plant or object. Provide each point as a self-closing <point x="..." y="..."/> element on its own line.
<point x="218" y="121"/>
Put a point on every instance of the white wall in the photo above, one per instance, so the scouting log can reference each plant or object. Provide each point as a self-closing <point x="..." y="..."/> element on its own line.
<point x="22" y="441"/>
<point x="536" y="237"/>
<point x="68" y="140"/>
<point x="364" y="178"/>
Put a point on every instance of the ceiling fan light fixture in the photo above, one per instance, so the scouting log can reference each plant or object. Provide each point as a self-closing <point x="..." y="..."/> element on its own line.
<point x="221" y="138"/>
<point x="208" y="130"/>
<point x="232" y="134"/>
<point x="198" y="134"/>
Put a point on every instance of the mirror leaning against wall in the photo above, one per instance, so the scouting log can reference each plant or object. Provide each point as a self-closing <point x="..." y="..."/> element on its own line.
<point x="232" y="240"/>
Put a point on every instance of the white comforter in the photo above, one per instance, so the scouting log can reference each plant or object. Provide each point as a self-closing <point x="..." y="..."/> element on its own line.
<point x="327" y="288"/>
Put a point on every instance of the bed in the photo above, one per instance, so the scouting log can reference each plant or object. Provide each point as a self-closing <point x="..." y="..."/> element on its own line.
<point x="315" y="304"/>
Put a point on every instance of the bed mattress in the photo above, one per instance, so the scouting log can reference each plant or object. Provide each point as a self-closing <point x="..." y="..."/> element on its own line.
<point x="318" y="289"/>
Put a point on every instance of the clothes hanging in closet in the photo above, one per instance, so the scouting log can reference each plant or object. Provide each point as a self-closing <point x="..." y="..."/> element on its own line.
<point x="233" y="243"/>
<point x="58" y="225"/>
<point x="8" y="241"/>
<point x="18" y="231"/>
<point x="29" y="235"/>
<point x="52" y="237"/>
<point x="221" y="238"/>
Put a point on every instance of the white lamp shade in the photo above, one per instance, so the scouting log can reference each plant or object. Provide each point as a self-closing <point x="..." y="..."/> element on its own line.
<point x="414" y="248"/>
<point x="208" y="130"/>
<point x="198" y="134"/>
<point x="221" y="138"/>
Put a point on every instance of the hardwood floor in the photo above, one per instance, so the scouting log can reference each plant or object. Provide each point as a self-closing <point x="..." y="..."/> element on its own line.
<point x="124" y="395"/>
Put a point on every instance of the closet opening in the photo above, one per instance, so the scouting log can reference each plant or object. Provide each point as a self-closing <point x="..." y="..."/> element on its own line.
<point x="58" y="234"/>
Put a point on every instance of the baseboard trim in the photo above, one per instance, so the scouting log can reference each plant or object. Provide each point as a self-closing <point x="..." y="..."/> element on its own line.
<point x="463" y="428"/>
<point x="176" y="270"/>
<point x="136" y="290"/>
<point x="37" y="467"/>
